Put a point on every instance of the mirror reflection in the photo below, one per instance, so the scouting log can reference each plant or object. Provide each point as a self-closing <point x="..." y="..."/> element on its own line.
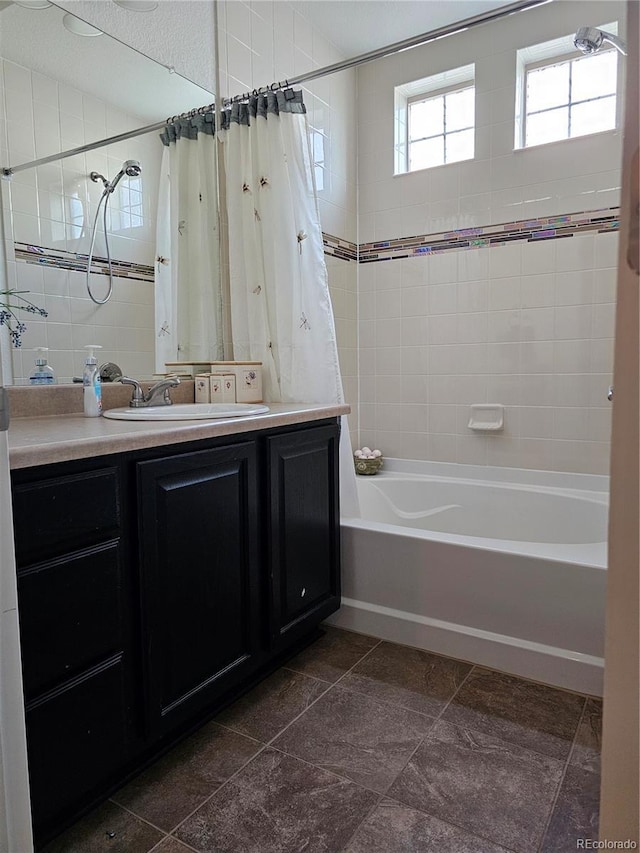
<point x="60" y="89"/>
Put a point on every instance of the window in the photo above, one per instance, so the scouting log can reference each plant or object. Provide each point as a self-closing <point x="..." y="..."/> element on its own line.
<point x="571" y="98"/>
<point x="434" y="120"/>
<point x="563" y="94"/>
<point x="440" y="129"/>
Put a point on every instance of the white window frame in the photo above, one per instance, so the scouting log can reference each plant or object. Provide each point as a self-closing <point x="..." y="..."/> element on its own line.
<point x="453" y="79"/>
<point x="428" y="96"/>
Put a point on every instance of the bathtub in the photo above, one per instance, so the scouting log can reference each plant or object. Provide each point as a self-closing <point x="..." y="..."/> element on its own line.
<point x="501" y="567"/>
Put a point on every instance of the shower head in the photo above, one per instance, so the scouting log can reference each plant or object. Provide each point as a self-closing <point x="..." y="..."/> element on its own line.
<point x="589" y="40"/>
<point x="131" y="168"/>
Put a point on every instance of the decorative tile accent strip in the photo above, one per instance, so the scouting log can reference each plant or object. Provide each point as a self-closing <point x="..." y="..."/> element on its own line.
<point x="338" y="248"/>
<point x="549" y="228"/>
<point x="72" y="261"/>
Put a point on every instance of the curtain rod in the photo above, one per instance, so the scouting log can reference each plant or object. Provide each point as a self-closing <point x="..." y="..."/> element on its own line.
<point x="379" y="53"/>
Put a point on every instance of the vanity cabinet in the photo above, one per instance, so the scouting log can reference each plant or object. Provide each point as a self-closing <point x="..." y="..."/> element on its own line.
<point x="304" y="524"/>
<point x="155" y="586"/>
<point x="75" y="631"/>
<point x="200" y="577"/>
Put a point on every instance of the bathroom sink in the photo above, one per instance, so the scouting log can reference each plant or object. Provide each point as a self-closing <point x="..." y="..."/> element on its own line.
<point x="187" y="412"/>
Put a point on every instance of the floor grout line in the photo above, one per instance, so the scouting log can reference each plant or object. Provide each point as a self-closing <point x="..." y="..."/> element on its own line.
<point x="138" y="817"/>
<point x="450" y="822"/>
<point x="362" y="822"/>
<point x="543" y="837"/>
<point x="269" y="742"/>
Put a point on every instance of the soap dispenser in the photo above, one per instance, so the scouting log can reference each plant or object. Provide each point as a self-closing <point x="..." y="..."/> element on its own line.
<point x="43" y="372"/>
<point x="92" y="390"/>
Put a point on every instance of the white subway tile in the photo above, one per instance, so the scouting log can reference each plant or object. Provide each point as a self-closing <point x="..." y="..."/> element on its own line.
<point x="388" y="361"/>
<point x="442" y="329"/>
<point x="570" y="424"/>
<point x="415" y="331"/>
<point x="601" y="352"/>
<point x="388" y="303"/>
<point x="504" y="326"/>
<point x="537" y="324"/>
<point x="472" y="328"/>
<point x="573" y="321"/>
<point x="536" y="421"/>
<point x="504" y="293"/>
<point x="505" y="261"/>
<point x="538" y="291"/>
<point x="503" y="358"/>
<point x="414" y="301"/>
<point x="604" y="316"/>
<point x="442" y="448"/>
<point x="443" y="269"/>
<point x="504" y="389"/>
<point x="388" y="333"/>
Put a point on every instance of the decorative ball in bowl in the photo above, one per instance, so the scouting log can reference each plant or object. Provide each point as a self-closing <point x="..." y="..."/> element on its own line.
<point x="367" y="461"/>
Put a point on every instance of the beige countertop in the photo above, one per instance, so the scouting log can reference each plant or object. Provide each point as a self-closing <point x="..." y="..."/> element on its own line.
<point x="63" y="437"/>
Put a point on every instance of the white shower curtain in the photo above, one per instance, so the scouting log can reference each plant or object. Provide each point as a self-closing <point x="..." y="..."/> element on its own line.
<point x="281" y="310"/>
<point x="187" y="282"/>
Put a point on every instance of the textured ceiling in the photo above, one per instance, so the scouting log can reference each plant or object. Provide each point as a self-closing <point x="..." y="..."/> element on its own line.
<point x="101" y="66"/>
<point x="358" y="26"/>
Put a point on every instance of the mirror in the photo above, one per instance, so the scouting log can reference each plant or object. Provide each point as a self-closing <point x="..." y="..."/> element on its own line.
<point x="59" y="91"/>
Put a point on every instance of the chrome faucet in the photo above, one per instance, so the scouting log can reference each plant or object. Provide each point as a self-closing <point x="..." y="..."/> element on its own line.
<point x="157" y="395"/>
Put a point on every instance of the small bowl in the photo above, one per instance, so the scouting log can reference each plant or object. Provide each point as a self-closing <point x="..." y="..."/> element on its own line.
<point x="367" y="466"/>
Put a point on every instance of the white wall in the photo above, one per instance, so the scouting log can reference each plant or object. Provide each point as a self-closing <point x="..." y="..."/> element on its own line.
<point x="38" y="117"/>
<point x="268" y="41"/>
<point x="529" y="325"/>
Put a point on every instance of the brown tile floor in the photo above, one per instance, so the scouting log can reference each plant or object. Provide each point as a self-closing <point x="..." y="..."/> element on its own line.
<point x="364" y="746"/>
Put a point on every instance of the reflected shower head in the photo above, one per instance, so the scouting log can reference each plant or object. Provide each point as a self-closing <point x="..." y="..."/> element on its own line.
<point x="130" y="168"/>
<point x="589" y="40"/>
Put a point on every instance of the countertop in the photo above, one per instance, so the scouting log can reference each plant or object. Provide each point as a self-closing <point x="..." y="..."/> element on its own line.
<point x="63" y="437"/>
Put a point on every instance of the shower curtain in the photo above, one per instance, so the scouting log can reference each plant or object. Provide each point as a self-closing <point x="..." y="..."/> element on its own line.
<point x="281" y="310"/>
<point x="188" y="298"/>
<point x="280" y="306"/>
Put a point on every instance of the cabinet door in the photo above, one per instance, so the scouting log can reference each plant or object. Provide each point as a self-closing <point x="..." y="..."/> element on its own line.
<point x="304" y="548"/>
<point x="76" y="739"/>
<point x="200" y="584"/>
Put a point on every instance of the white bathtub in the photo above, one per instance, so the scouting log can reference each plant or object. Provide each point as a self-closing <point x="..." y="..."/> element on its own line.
<point x="501" y="567"/>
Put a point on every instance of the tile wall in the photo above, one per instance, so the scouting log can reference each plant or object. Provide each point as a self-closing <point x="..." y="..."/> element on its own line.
<point x="266" y="41"/>
<point x="526" y="324"/>
<point x="51" y="208"/>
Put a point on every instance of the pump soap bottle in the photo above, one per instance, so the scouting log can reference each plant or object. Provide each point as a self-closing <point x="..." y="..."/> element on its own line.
<point x="92" y="390"/>
<point x="43" y="372"/>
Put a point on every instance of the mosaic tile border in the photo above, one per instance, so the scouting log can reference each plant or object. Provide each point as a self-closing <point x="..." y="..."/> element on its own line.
<point x="529" y="230"/>
<point x="72" y="261"/>
<point x="338" y="248"/>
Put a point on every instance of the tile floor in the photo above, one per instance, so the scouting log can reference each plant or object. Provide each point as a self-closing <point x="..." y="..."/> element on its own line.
<point x="364" y="746"/>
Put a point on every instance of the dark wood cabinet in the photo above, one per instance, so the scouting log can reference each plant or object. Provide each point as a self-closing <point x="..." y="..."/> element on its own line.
<point x="200" y="577"/>
<point x="74" y="599"/>
<point x="155" y="587"/>
<point x="303" y="531"/>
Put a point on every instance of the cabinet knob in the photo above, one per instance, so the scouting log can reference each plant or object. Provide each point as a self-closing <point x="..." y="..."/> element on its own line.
<point x="304" y="592"/>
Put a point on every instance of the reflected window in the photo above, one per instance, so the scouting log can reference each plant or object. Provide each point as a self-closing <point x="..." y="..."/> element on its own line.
<point x="128" y="213"/>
